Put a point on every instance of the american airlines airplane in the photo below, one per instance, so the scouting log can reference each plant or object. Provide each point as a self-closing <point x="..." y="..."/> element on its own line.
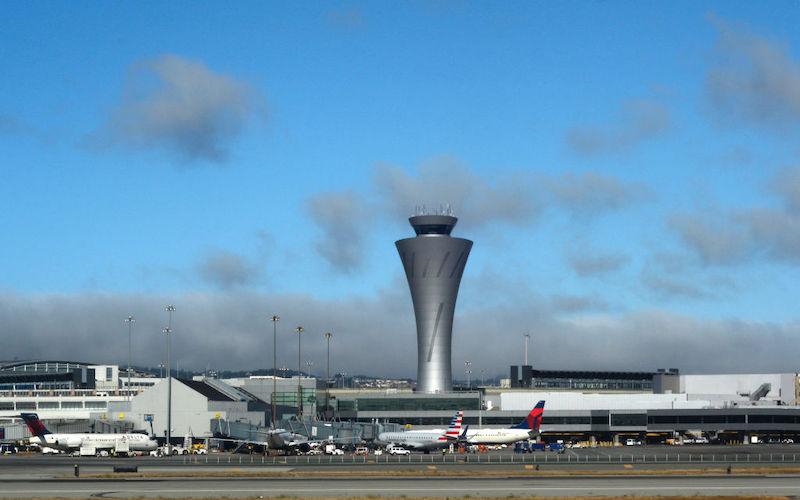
<point x="428" y="439"/>
<point x="526" y="429"/>
<point x="74" y="441"/>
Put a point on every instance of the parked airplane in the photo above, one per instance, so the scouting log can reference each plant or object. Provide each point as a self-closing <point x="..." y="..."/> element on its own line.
<point x="74" y="441"/>
<point x="279" y="440"/>
<point x="427" y="440"/>
<point x="526" y="429"/>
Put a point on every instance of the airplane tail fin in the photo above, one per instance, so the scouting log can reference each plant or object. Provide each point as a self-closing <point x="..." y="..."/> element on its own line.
<point x="534" y="419"/>
<point x="454" y="430"/>
<point x="35" y="425"/>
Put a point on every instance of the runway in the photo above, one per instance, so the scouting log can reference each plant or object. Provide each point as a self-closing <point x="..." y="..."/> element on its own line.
<point x="409" y="487"/>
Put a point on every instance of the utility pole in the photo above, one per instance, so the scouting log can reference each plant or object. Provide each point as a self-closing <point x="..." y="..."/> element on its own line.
<point x="130" y="321"/>
<point x="168" y="331"/>
<point x="275" y="320"/>
<point x="299" y="330"/>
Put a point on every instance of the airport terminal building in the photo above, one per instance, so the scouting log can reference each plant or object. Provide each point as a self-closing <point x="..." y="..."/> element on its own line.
<point x="593" y="406"/>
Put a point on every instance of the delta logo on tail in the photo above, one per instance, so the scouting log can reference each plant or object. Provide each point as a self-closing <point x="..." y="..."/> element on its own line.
<point x="534" y="419"/>
<point x="35" y="425"/>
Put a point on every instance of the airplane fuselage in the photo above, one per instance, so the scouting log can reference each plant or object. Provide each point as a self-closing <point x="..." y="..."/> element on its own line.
<point x="496" y="436"/>
<point x="67" y="442"/>
<point x="416" y="440"/>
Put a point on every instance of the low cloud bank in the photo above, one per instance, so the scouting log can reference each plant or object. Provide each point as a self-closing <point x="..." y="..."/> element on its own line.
<point x="377" y="335"/>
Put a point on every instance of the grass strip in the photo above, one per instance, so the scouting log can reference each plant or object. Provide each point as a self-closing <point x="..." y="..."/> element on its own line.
<point x="520" y="471"/>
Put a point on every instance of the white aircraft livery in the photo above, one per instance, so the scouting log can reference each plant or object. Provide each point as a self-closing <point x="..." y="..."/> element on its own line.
<point x="74" y="441"/>
<point x="522" y="431"/>
<point x="428" y="439"/>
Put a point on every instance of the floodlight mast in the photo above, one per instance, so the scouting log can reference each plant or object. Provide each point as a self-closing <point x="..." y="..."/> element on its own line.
<point x="130" y="320"/>
<point x="168" y="332"/>
<point x="275" y="320"/>
<point x="299" y="330"/>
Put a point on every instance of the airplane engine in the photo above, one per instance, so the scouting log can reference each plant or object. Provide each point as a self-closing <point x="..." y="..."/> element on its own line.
<point x="304" y="447"/>
<point x="69" y="443"/>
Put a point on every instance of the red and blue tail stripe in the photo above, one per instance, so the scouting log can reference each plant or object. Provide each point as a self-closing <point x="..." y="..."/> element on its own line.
<point x="454" y="430"/>
<point x="35" y="425"/>
<point x="534" y="419"/>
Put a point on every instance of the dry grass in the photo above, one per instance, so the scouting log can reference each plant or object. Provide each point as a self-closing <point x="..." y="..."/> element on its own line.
<point x="519" y="471"/>
<point x="510" y="497"/>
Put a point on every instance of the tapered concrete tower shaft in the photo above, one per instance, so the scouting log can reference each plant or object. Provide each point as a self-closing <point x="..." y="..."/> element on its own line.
<point x="434" y="262"/>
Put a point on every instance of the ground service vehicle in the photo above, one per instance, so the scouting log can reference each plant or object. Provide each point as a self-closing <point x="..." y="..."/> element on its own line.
<point x="396" y="450"/>
<point x="7" y="449"/>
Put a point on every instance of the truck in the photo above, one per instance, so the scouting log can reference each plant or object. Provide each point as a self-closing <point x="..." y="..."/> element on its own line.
<point x="331" y="449"/>
<point x="87" y="451"/>
<point x="122" y="448"/>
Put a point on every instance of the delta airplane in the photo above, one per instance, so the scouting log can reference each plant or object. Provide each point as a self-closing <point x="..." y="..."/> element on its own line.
<point x="428" y="439"/>
<point x="522" y="431"/>
<point x="69" y="442"/>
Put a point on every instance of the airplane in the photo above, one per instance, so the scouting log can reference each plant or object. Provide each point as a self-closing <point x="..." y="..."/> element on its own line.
<point x="526" y="429"/>
<point x="426" y="440"/>
<point x="280" y="440"/>
<point x="276" y="439"/>
<point x="74" y="441"/>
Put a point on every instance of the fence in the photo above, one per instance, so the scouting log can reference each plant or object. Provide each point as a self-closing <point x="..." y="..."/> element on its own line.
<point x="503" y="458"/>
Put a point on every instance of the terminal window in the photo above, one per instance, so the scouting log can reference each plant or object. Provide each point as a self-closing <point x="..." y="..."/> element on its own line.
<point x="418" y="404"/>
<point x="627" y="420"/>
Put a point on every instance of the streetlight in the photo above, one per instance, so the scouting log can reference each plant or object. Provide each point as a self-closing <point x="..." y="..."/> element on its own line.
<point x="467" y="372"/>
<point x="527" y="339"/>
<point x="130" y="321"/>
<point x="167" y="331"/>
<point x="328" y="336"/>
<point x="299" y="330"/>
<point x="161" y="370"/>
<point x="275" y="320"/>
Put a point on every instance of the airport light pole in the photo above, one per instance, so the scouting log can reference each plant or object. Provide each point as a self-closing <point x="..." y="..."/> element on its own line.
<point x="467" y="372"/>
<point x="299" y="331"/>
<point x="328" y="336"/>
<point x="130" y="321"/>
<point x="168" y="331"/>
<point x="527" y="339"/>
<point x="275" y="320"/>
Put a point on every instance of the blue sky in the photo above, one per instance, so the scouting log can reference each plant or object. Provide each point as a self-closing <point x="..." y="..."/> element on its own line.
<point x="609" y="159"/>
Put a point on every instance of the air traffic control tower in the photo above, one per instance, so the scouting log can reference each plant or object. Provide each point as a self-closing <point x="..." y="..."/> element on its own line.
<point x="434" y="263"/>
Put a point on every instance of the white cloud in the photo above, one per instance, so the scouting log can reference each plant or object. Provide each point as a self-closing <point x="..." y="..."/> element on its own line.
<point x="639" y="120"/>
<point x="753" y="79"/>
<point x="181" y="106"/>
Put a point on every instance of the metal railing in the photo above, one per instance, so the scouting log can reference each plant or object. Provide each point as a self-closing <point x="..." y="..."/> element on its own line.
<point x="490" y="458"/>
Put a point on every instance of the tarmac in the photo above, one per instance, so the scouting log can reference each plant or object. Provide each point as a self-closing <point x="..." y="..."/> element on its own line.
<point x="408" y="487"/>
<point x="500" y="473"/>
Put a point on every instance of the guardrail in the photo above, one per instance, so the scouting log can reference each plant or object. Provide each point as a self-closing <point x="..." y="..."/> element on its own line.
<point x="505" y="458"/>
